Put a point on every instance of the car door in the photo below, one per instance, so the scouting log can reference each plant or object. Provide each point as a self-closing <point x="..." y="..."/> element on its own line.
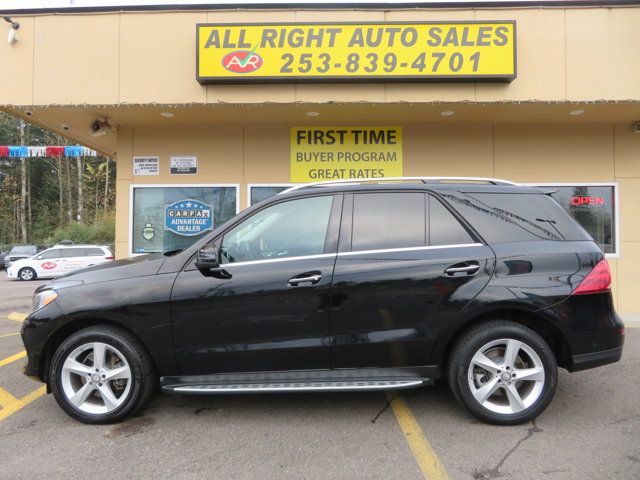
<point x="93" y="256"/>
<point x="48" y="263"/>
<point x="267" y="307"/>
<point x="73" y="259"/>
<point x="406" y="265"/>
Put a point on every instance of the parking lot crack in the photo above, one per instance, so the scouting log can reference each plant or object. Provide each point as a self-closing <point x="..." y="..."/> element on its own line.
<point x="384" y="409"/>
<point x="488" y="474"/>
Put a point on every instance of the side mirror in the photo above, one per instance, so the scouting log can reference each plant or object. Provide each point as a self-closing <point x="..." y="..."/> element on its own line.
<point x="207" y="258"/>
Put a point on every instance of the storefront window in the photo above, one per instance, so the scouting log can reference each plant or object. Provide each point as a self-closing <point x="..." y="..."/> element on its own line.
<point x="594" y="207"/>
<point x="257" y="193"/>
<point x="170" y="218"/>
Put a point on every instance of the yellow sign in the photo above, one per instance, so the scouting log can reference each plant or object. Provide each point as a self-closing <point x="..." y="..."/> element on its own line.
<point x="335" y="153"/>
<point x="338" y="52"/>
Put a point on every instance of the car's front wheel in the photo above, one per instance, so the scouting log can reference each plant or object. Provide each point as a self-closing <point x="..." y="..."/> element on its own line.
<point x="502" y="372"/>
<point x="101" y="374"/>
<point x="27" y="274"/>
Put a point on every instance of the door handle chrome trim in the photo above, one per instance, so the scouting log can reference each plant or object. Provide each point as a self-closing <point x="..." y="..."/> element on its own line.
<point x="293" y="282"/>
<point x="468" y="269"/>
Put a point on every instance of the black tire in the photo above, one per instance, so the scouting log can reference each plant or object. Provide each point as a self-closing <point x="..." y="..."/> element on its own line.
<point x="142" y="372"/>
<point x="471" y="342"/>
<point x="26" y="274"/>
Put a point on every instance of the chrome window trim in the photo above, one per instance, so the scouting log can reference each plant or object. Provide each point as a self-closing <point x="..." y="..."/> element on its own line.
<point x="410" y="249"/>
<point x="274" y="260"/>
<point x="358" y="252"/>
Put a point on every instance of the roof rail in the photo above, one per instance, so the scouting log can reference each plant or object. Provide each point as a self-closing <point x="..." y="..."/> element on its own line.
<point x="357" y="181"/>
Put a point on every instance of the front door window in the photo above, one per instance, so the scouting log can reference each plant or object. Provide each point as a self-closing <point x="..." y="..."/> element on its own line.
<point x="288" y="229"/>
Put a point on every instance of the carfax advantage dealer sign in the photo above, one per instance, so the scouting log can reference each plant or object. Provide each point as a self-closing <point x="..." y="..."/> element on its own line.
<point x="340" y="52"/>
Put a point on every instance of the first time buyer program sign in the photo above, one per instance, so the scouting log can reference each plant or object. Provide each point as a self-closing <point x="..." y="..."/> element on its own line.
<point x="336" y="153"/>
<point x="342" y="52"/>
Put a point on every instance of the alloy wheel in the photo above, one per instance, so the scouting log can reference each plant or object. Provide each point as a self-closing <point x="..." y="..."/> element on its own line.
<point x="506" y="376"/>
<point x="96" y="378"/>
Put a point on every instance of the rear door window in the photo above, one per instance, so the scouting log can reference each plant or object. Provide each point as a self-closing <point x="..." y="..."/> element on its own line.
<point x="95" y="252"/>
<point x="73" y="252"/>
<point x="444" y="228"/>
<point x="388" y="220"/>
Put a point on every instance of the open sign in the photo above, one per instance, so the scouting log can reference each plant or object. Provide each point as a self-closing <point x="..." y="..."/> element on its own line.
<point x="586" y="200"/>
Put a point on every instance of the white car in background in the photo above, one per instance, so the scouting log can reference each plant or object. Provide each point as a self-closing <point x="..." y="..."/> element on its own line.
<point x="59" y="260"/>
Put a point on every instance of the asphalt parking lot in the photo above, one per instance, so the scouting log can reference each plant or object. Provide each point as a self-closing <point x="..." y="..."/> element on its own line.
<point x="591" y="430"/>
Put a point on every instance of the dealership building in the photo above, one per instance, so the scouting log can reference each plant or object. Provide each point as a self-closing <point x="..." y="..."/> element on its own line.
<point x="211" y="106"/>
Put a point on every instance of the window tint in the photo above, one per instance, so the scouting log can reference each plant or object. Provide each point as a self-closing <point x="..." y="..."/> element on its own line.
<point x="73" y="252"/>
<point x="25" y="249"/>
<point x="50" y="254"/>
<point x="95" y="252"/>
<point x="593" y="207"/>
<point x="538" y="214"/>
<point x="289" y="229"/>
<point x="388" y="220"/>
<point x="444" y="228"/>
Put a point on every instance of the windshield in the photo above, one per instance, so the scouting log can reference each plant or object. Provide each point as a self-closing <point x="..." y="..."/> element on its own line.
<point x="26" y="249"/>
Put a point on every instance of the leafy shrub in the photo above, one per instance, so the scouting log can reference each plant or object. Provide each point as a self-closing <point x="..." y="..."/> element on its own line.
<point x="100" y="233"/>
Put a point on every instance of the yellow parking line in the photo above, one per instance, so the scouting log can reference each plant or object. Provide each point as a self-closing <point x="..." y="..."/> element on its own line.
<point x="9" y="334"/>
<point x="18" y="404"/>
<point x="12" y="358"/>
<point x="6" y="398"/>
<point x="428" y="461"/>
<point x="17" y="316"/>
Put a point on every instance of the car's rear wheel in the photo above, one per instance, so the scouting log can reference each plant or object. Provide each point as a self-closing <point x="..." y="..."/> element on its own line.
<point x="502" y="372"/>
<point x="27" y="274"/>
<point x="101" y="374"/>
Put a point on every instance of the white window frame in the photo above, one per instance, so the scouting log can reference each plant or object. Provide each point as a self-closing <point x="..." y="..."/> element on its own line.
<point x="250" y="186"/>
<point x="133" y="186"/>
<point x="616" y="206"/>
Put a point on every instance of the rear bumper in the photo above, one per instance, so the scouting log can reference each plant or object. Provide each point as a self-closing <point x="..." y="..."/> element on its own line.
<point x="595" y="359"/>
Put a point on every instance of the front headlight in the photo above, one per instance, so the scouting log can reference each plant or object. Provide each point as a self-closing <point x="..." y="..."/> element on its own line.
<point x="43" y="299"/>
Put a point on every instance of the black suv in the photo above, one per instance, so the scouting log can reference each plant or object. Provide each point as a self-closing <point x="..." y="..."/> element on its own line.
<point x="356" y="285"/>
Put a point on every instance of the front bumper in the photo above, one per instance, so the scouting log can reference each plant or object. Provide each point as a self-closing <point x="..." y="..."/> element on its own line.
<point x="36" y="331"/>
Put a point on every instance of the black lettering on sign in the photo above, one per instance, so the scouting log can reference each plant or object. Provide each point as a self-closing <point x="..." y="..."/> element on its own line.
<point x="320" y="137"/>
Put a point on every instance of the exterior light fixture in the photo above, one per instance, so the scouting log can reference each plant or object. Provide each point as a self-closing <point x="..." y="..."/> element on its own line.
<point x="448" y="113"/>
<point x="576" y="112"/>
<point x="12" y="37"/>
<point x="166" y="114"/>
<point x="312" y="114"/>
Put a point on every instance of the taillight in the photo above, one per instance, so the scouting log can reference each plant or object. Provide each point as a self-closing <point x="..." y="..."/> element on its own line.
<point x="597" y="281"/>
<point x="108" y="258"/>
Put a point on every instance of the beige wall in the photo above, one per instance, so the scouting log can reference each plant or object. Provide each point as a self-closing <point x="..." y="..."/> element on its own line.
<point x="525" y="153"/>
<point x="580" y="54"/>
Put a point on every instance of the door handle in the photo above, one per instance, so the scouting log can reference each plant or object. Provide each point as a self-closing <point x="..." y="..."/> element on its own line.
<point x="313" y="279"/>
<point x="468" y="267"/>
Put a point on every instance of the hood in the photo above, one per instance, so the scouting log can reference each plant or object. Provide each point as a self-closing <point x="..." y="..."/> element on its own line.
<point x="18" y="263"/>
<point x="141" y="266"/>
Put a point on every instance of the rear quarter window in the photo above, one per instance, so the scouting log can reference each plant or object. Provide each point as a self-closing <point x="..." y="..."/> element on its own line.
<point x="537" y="214"/>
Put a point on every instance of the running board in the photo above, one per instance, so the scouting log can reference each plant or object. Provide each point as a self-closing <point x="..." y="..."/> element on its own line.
<point x="325" y="386"/>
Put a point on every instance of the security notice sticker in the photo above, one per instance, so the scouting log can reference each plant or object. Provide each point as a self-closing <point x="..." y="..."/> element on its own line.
<point x="337" y="52"/>
<point x="335" y="153"/>
<point x="146" y="165"/>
